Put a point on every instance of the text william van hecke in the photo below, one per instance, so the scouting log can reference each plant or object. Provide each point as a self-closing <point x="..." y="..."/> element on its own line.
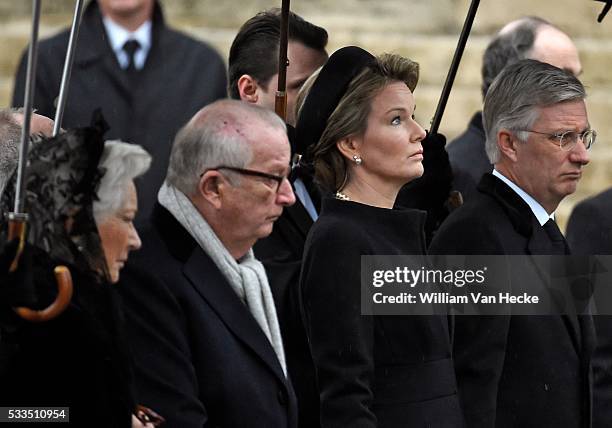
<point x="448" y="298"/>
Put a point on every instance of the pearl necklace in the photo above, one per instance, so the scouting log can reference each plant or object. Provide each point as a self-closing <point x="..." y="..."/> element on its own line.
<point x="341" y="196"/>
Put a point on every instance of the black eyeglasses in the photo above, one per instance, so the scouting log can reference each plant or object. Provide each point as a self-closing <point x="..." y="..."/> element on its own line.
<point x="567" y="140"/>
<point x="276" y="178"/>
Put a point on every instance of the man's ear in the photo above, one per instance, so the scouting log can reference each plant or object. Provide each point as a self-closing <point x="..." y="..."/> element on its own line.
<point x="507" y="143"/>
<point x="210" y="188"/>
<point x="349" y="147"/>
<point x="248" y="88"/>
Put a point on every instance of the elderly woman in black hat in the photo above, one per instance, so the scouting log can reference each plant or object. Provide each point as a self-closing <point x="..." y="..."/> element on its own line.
<point x="372" y="371"/>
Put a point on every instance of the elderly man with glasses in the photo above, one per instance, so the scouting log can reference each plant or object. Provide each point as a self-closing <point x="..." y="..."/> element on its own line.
<point x="524" y="371"/>
<point x="200" y="314"/>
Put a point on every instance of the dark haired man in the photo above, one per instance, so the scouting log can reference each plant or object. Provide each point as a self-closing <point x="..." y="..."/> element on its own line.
<point x="525" y="38"/>
<point x="253" y="58"/>
<point x="253" y="77"/>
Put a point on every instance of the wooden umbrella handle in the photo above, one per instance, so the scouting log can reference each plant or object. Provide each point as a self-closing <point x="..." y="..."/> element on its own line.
<point x="61" y="302"/>
<point x="63" y="278"/>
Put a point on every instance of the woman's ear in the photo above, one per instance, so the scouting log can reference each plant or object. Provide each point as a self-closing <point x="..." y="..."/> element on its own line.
<point x="349" y="147"/>
<point x="248" y="88"/>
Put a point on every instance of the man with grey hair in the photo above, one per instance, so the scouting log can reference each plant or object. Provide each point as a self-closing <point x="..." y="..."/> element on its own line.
<point x="11" y="122"/>
<point x="518" y="371"/>
<point x="528" y="37"/>
<point x="199" y="309"/>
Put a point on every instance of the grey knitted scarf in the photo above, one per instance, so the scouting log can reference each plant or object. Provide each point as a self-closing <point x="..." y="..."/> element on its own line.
<point x="246" y="276"/>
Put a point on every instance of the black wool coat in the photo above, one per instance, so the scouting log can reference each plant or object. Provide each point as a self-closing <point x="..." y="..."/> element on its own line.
<point x="201" y="359"/>
<point x="180" y="76"/>
<point x="78" y="360"/>
<point x="515" y="371"/>
<point x="372" y="371"/>
<point x="589" y="232"/>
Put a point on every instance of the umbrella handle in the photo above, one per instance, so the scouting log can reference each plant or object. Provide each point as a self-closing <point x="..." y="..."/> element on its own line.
<point x="61" y="302"/>
<point x="63" y="279"/>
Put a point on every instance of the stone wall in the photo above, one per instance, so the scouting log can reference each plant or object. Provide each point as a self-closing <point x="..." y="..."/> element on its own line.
<point x="425" y="30"/>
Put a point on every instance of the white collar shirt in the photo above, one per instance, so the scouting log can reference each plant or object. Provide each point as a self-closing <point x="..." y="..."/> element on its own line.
<point x="537" y="209"/>
<point x="117" y="36"/>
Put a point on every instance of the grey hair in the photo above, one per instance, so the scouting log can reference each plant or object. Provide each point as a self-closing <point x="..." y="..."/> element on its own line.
<point x="217" y="135"/>
<point x="10" y="138"/>
<point x="122" y="163"/>
<point x="514" y="97"/>
<point x="513" y="43"/>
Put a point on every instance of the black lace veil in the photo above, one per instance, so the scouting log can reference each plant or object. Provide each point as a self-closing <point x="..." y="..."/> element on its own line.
<point x="61" y="182"/>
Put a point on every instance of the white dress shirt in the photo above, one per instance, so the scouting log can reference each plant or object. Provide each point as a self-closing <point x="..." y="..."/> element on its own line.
<point x="537" y="209"/>
<point x="117" y="36"/>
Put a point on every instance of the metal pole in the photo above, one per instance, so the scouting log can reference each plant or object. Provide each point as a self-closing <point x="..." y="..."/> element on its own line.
<point x="27" y="113"/>
<point x="72" y="41"/>
<point x="452" y="72"/>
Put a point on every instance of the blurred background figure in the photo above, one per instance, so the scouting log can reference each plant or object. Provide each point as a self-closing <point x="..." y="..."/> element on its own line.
<point x="589" y="232"/>
<point x="525" y="38"/>
<point x="371" y="371"/>
<point x="148" y="79"/>
<point x="11" y="122"/>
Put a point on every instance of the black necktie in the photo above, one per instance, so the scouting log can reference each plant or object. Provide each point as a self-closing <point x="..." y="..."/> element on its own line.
<point x="557" y="240"/>
<point x="131" y="47"/>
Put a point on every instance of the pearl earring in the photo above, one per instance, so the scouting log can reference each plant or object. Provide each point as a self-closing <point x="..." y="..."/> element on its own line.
<point x="357" y="159"/>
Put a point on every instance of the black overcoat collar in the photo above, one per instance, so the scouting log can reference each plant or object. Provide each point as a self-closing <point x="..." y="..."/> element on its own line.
<point x="203" y="274"/>
<point x="94" y="51"/>
<point x="526" y="224"/>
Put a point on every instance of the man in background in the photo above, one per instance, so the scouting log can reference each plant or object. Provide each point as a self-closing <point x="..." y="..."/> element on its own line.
<point x="525" y="38"/>
<point x="148" y="79"/>
<point x="253" y="78"/>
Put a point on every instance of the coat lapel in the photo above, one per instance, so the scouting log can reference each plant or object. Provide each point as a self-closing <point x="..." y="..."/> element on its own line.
<point x="206" y="278"/>
<point x="93" y="49"/>
<point x="537" y="241"/>
<point x="203" y="274"/>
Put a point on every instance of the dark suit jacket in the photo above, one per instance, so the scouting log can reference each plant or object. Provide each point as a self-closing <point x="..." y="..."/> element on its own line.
<point x="517" y="371"/>
<point x="281" y="254"/>
<point x="180" y="76"/>
<point x="201" y="358"/>
<point x="468" y="157"/>
<point x="589" y="232"/>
